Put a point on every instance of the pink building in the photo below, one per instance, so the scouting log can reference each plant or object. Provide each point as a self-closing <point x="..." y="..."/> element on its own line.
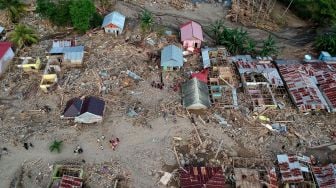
<point x="191" y="35"/>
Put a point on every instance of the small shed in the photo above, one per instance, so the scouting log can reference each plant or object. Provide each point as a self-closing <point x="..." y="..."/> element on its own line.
<point x="195" y="95"/>
<point x="66" y="52"/>
<point x="191" y="35"/>
<point x="114" y="23"/>
<point x="171" y="58"/>
<point x="6" y="55"/>
<point x="92" y="110"/>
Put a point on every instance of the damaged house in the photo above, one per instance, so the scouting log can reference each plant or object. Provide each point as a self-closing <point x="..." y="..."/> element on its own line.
<point x="302" y="87"/>
<point x="6" y="56"/>
<point x="84" y="110"/>
<point x="114" y="23"/>
<point x="202" y="177"/>
<point x="171" y="58"/>
<point x="195" y="95"/>
<point x="258" y="76"/>
<point x="66" y="52"/>
<point x="30" y="64"/>
<point x="66" y="176"/>
<point x="191" y="35"/>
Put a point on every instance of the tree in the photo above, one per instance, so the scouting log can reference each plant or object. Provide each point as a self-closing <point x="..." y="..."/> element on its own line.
<point x="216" y="29"/>
<point x="22" y="36"/>
<point x="147" y="21"/>
<point x="14" y="7"/>
<point x="250" y="46"/>
<point x="234" y="39"/>
<point x="326" y="42"/>
<point x="81" y="12"/>
<point x="56" y="145"/>
<point x="269" y="47"/>
<point x="58" y="13"/>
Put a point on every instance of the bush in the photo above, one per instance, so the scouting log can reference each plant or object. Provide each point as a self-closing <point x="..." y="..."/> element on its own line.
<point x="81" y="12"/>
<point x="326" y="42"/>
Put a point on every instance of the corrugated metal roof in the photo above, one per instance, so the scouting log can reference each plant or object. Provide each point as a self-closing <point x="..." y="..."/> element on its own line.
<point x="171" y="56"/>
<point x="205" y="58"/>
<point x="325" y="175"/>
<point x="195" y="92"/>
<point x="290" y="168"/>
<point x="200" y="177"/>
<point x="114" y="18"/>
<point x="191" y="31"/>
<point x="70" y="53"/>
<point x="93" y="105"/>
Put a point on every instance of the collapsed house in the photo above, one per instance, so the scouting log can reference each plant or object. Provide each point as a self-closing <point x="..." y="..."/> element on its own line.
<point x="295" y="171"/>
<point x="49" y="77"/>
<point x="6" y="56"/>
<point x="191" y="35"/>
<point x="325" y="176"/>
<point x="195" y="95"/>
<point x="30" y="64"/>
<point x="114" y="23"/>
<point x="66" y="52"/>
<point x="222" y="80"/>
<point x="84" y="110"/>
<point x="302" y="87"/>
<point x="202" y="177"/>
<point x="258" y="76"/>
<point x="66" y="176"/>
<point x="171" y="58"/>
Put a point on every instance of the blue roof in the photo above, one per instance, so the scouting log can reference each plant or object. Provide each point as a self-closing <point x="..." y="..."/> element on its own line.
<point x="114" y="18"/>
<point x="70" y="53"/>
<point x="205" y="58"/>
<point x="171" y="56"/>
<point x="1" y="29"/>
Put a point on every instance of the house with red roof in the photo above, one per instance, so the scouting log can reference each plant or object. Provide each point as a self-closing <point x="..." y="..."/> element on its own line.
<point x="6" y="55"/>
<point x="191" y="35"/>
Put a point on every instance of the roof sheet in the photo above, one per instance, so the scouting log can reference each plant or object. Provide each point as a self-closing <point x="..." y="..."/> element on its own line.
<point x="73" y="107"/>
<point x="114" y="18"/>
<point x="205" y="58"/>
<point x="172" y="56"/>
<point x="290" y="169"/>
<point x="195" y="92"/>
<point x="191" y="31"/>
<point x="4" y="46"/>
<point x="1" y="29"/>
<point x="201" y="76"/>
<point x="93" y="105"/>
<point x="325" y="176"/>
<point x="201" y="177"/>
<point x="301" y="87"/>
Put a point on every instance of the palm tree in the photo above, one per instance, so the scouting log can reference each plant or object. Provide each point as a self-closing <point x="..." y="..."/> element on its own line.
<point x="23" y="35"/>
<point x="14" y="7"/>
<point x="216" y="29"/>
<point x="146" y="20"/>
<point x="249" y="47"/>
<point x="56" y="145"/>
<point x="269" y="47"/>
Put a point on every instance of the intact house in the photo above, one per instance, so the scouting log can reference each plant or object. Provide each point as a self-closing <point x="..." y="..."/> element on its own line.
<point x="66" y="52"/>
<point x="191" y="35"/>
<point x="30" y="64"/>
<point x="114" y="23"/>
<point x="6" y="56"/>
<point x="171" y="58"/>
<point x="84" y="110"/>
<point x="195" y="95"/>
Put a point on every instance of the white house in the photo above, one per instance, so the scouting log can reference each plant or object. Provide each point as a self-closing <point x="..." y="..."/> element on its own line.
<point x="6" y="55"/>
<point x="114" y="23"/>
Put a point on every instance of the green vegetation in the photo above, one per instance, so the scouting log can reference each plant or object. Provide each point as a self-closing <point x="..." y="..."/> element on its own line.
<point x="326" y="42"/>
<point x="237" y="41"/>
<point x="56" y="145"/>
<point x="23" y="35"/>
<point x="269" y="47"/>
<point x="321" y="11"/>
<point x="14" y="7"/>
<point x="81" y="14"/>
<point x="147" y="21"/>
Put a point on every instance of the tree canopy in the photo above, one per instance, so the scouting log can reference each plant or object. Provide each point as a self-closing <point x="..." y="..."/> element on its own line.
<point x="81" y="14"/>
<point x="14" y="7"/>
<point x="23" y="35"/>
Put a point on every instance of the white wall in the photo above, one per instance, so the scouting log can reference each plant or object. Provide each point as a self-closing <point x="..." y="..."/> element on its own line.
<point x="9" y="55"/>
<point x="88" y="118"/>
